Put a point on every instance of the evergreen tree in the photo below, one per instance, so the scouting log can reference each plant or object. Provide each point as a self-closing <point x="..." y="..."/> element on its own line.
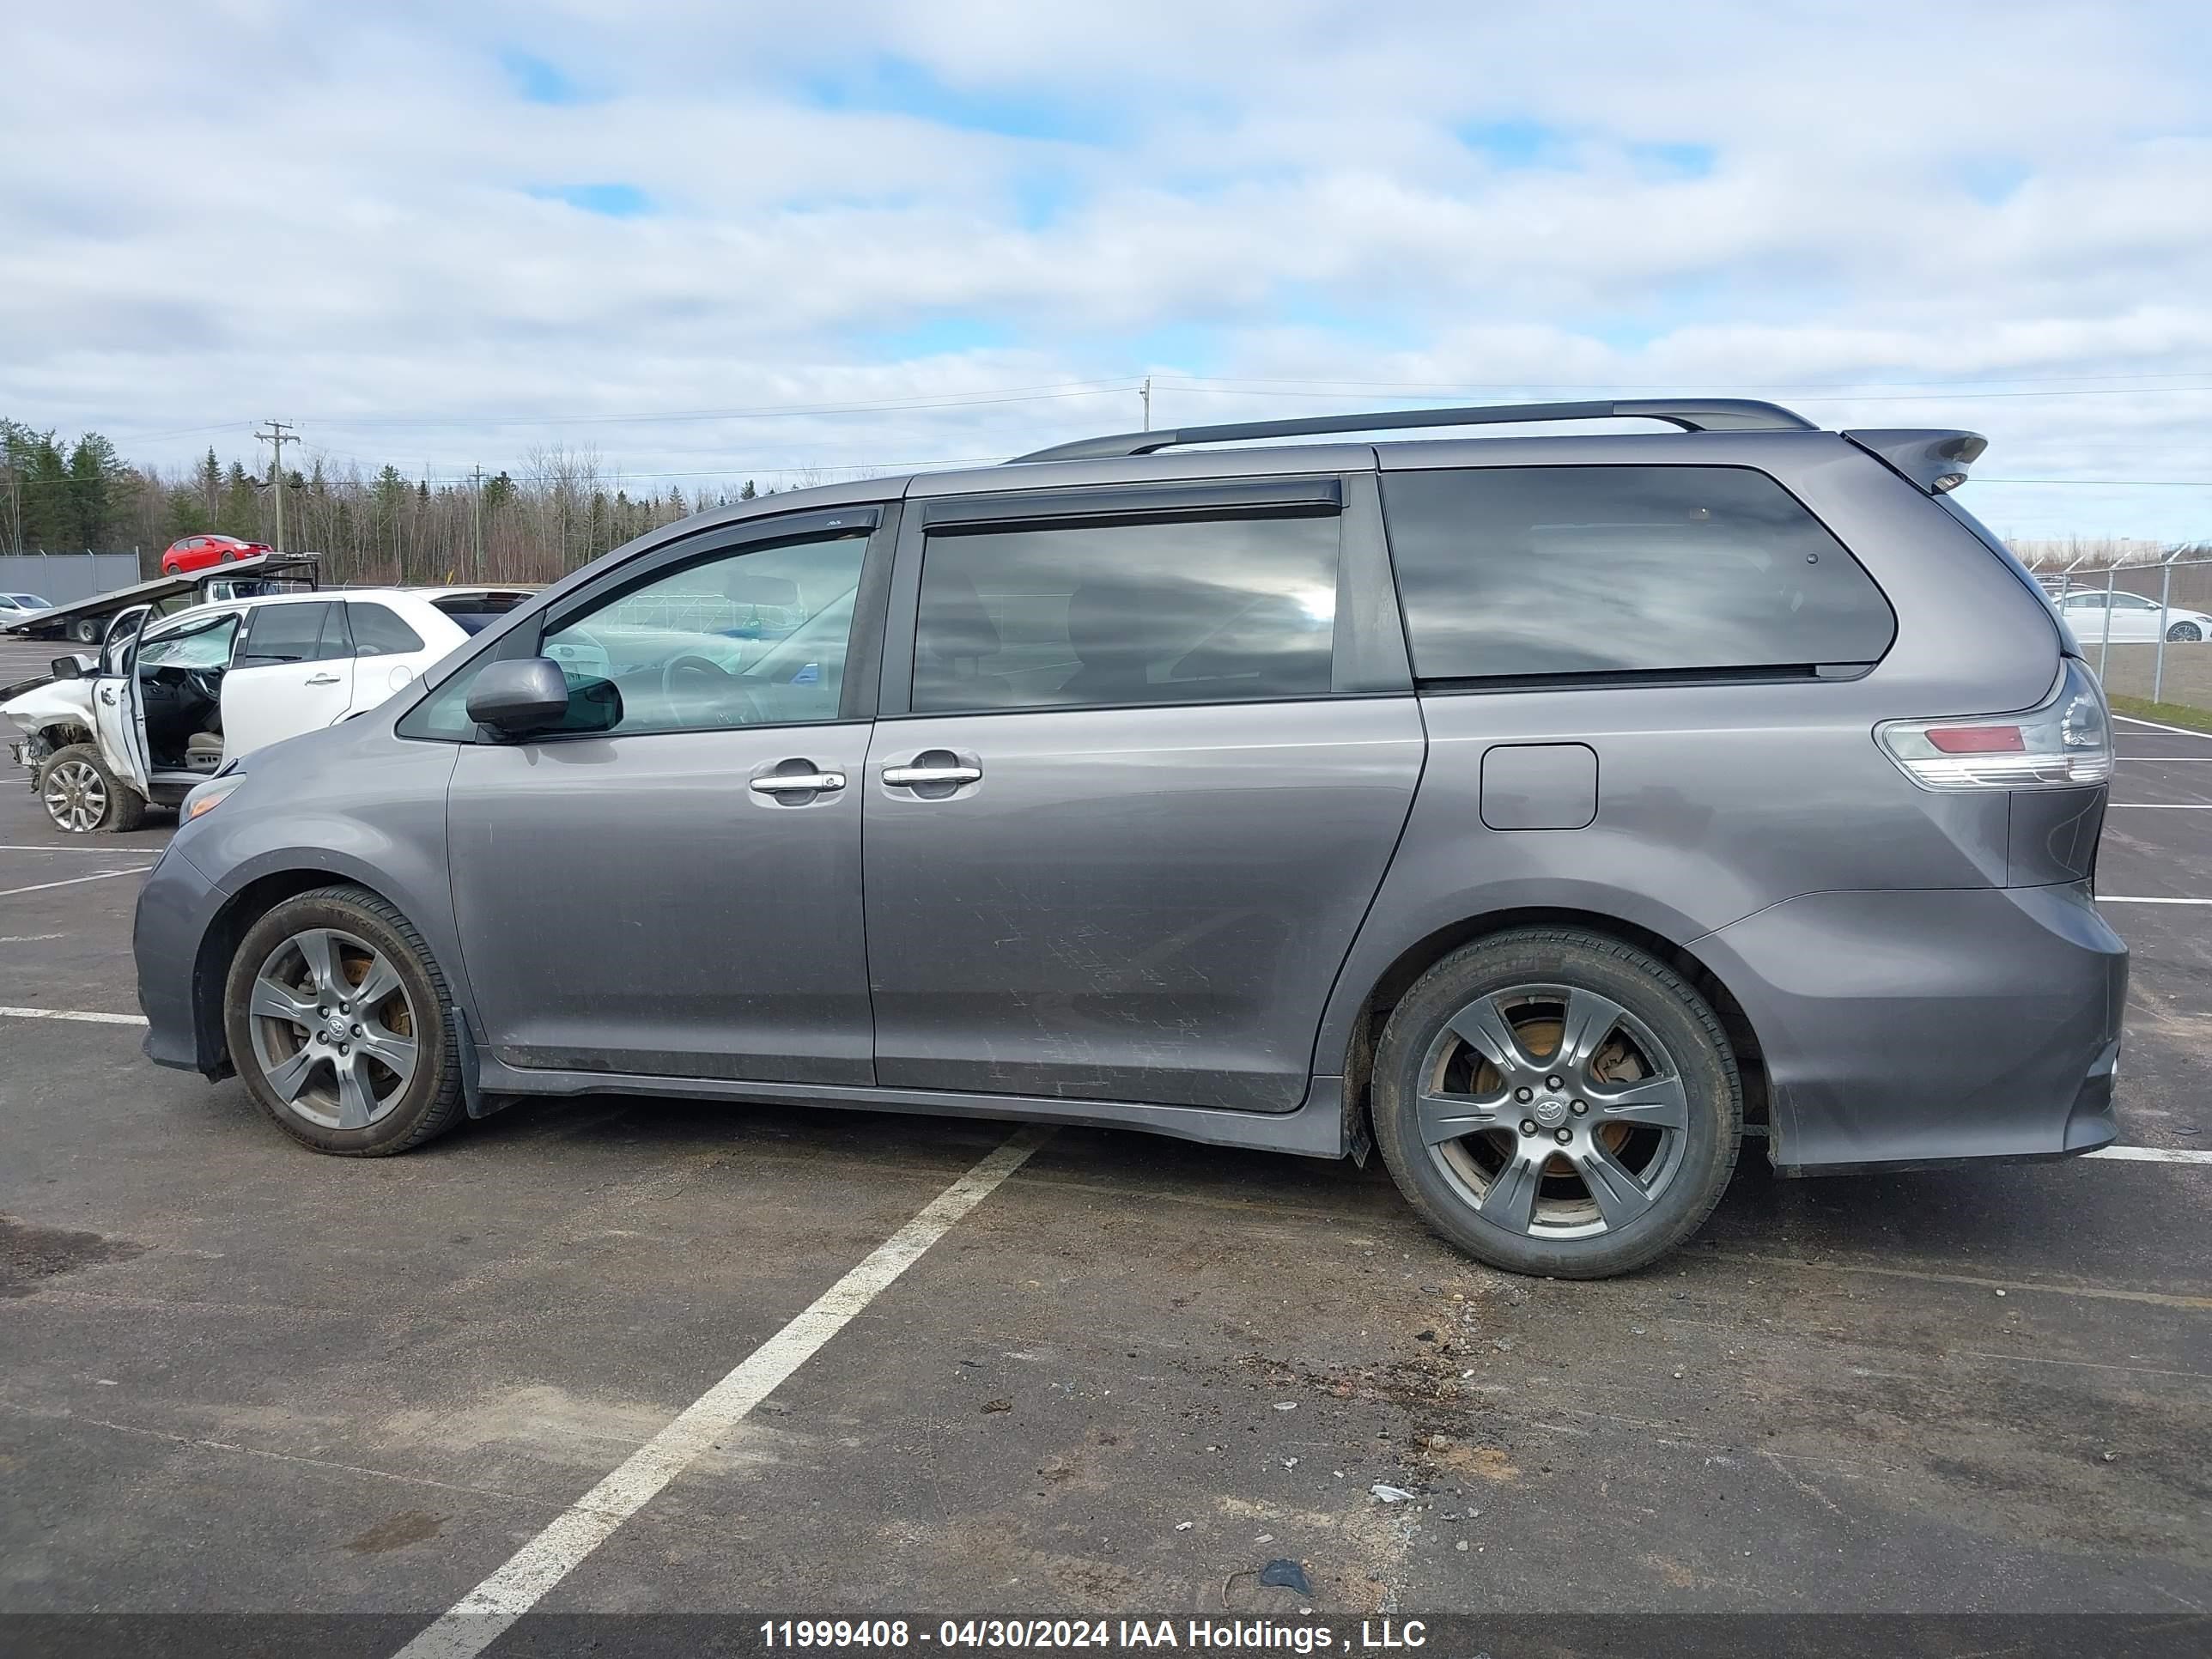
<point x="48" y="522"/>
<point x="95" y="473"/>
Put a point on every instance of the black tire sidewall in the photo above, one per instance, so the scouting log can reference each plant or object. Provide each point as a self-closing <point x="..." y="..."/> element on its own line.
<point x="126" y="807"/>
<point x="427" y="1091"/>
<point x="1677" y="1016"/>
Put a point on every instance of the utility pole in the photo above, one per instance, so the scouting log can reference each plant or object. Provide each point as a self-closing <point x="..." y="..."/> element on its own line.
<point x="276" y="437"/>
<point x="1145" y="392"/>
<point x="475" y="474"/>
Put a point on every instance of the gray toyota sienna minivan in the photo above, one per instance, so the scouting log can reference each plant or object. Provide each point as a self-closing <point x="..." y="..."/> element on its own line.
<point x="1547" y="808"/>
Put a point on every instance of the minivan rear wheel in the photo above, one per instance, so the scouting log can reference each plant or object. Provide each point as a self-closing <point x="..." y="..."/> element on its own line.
<point x="336" y="1014"/>
<point x="1556" y="1102"/>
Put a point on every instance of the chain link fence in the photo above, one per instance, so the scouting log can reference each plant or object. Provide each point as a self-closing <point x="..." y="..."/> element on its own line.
<point x="2147" y="628"/>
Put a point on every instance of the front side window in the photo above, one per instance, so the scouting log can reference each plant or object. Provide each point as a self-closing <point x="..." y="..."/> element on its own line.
<point x="1513" y="572"/>
<point x="207" y="645"/>
<point x="1200" y="610"/>
<point x="282" y="632"/>
<point x="750" y="637"/>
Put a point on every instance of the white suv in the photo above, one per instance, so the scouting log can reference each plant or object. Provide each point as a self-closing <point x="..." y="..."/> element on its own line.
<point x="162" y="709"/>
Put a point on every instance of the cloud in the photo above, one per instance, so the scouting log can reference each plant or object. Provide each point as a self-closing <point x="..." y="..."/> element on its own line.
<point x="438" y="236"/>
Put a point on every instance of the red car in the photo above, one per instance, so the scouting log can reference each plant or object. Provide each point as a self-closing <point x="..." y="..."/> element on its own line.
<point x="198" y="552"/>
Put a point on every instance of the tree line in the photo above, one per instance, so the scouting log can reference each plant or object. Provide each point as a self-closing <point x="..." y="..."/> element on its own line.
<point x="561" y="509"/>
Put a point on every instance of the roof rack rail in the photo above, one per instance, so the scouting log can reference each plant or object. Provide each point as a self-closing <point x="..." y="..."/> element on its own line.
<point x="1692" y="414"/>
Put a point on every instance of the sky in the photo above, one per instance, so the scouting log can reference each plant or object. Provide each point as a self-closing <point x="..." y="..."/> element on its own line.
<point x="729" y="241"/>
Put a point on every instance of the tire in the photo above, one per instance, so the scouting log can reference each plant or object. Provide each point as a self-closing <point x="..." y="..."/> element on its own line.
<point x="2184" y="633"/>
<point x="357" y="1102"/>
<point x="228" y="557"/>
<point x="83" y="797"/>
<point x="1643" y="1162"/>
<point x="85" y="631"/>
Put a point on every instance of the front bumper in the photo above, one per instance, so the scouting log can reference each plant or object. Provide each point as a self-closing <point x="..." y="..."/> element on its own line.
<point x="1921" y="1027"/>
<point x="178" y="909"/>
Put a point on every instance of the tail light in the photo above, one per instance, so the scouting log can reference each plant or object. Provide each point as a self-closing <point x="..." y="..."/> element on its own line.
<point x="2067" y="740"/>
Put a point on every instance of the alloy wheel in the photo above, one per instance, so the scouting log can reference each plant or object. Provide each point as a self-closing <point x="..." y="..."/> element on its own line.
<point x="334" y="1028"/>
<point x="1554" y="1111"/>
<point x="76" y="796"/>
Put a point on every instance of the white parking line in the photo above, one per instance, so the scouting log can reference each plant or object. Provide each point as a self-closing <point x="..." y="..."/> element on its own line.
<point x="2180" y="731"/>
<point x="98" y="852"/>
<point x="2121" y="898"/>
<point x="2154" y="1154"/>
<point x="479" y="1618"/>
<point x="105" y="875"/>
<point x="71" y="1013"/>
<point x="2161" y="805"/>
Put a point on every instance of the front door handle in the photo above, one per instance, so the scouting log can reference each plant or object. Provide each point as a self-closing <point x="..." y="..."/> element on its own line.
<point x="793" y="783"/>
<point x="322" y="679"/>
<point x="908" y="777"/>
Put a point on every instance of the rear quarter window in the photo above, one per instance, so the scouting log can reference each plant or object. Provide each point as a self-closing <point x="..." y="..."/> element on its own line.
<point x="1528" y="572"/>
<point x="379" y="632"/>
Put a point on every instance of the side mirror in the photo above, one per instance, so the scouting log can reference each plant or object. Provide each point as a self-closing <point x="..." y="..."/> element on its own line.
<point x="529" y="694"/>
<point x="67" y="668"/>
<point x="521" y="695"/>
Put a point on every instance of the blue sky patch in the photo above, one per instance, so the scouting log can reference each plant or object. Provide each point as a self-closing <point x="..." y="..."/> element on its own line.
<point x="898" y="85"/>
<point x="1993" y="178"/>
<point x="538" y="81"/>
<point x="1516" y="143"/>
<point x="612" y="201"/>
<point x="1683" y="161"/>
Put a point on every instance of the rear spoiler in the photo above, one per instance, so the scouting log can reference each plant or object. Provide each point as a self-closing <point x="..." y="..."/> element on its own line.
<point x="1935" y="461"/>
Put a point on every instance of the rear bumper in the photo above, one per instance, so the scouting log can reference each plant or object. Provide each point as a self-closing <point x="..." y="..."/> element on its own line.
<point x="1925" y="1028"/>
<point x="176" y="908"/>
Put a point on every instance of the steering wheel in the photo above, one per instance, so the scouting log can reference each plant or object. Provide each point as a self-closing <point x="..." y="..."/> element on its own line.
<point x="692" y="675"/>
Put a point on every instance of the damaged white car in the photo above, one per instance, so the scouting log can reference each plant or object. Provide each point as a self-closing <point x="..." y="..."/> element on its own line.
<point x="167" y="701"/>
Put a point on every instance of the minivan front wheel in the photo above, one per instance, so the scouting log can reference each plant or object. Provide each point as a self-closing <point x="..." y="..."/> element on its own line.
<point x="334" y="1011"/>
<point x="1556" y="1102"/>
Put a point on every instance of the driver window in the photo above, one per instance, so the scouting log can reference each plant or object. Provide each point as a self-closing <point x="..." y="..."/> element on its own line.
<point x="749" y="638"/>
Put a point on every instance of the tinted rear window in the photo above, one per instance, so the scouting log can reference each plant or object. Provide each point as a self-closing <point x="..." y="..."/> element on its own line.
<point x="474" y="612"/>
<point x="1510" y="572"/>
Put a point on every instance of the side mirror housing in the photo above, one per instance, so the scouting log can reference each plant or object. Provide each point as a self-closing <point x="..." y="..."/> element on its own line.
<point x="521" y="694"/>
<point x="67" y="668"/>
<point x="528" y="696"/>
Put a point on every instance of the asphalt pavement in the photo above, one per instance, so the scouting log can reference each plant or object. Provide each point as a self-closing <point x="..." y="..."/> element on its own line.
<point x="236" y="1376"/>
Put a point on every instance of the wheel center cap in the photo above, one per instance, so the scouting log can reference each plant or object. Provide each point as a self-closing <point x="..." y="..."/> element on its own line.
<point x="1551" y="1111"/>
<point x="336" y="1026"/>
